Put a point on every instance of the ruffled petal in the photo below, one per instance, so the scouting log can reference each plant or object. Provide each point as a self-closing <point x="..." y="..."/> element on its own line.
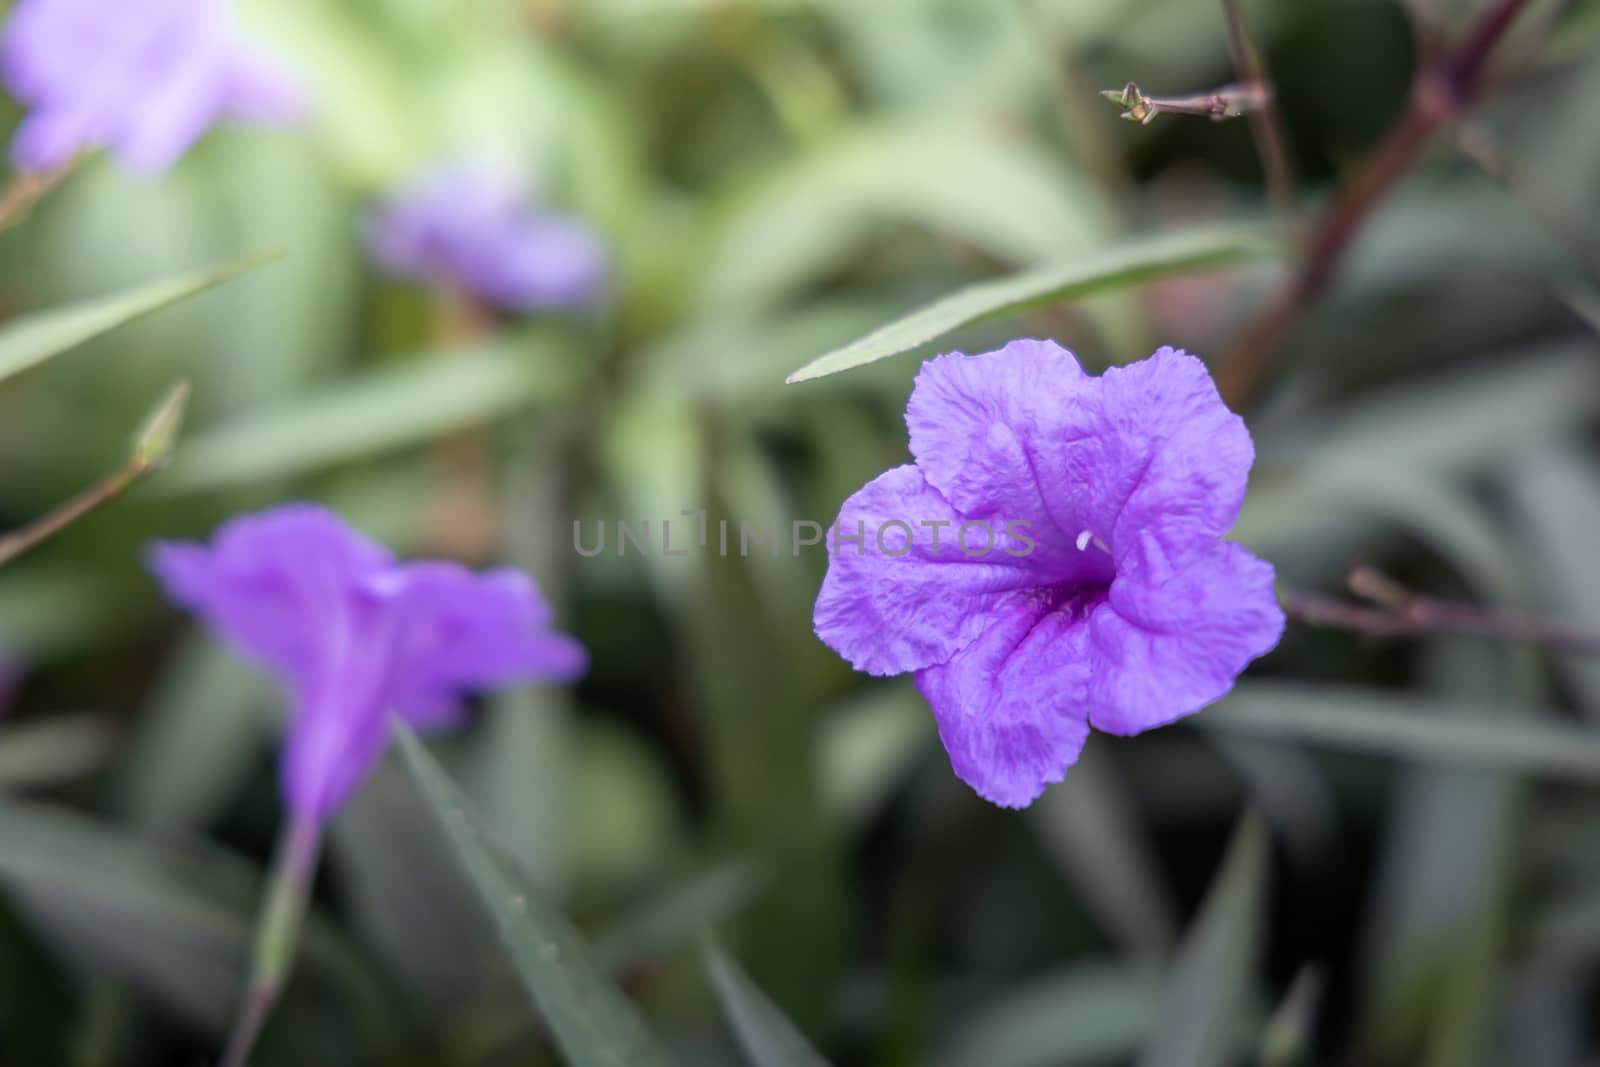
<point x="1171" y="636"/>
<point x="1161" y="452"/>
<point x="986" y="429"/>
<point x="1011" y="705"/>
<point x="536" y="263"/>
<point x="261" y="89"/>
<point x="451" y="630"/>
<point x="276" y="586"/>
<point x="900" y="593"/>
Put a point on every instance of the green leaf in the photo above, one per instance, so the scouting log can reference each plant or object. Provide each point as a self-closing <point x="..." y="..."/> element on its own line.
<point x="678" y="915"/>
<point x="593" y="1023"/>
<point x="196" y="738"/>
<point x="58" y="749"/>
<point x="122" y="905"/>
<point x="1211" y="984"/>
<point x="35" y="338"/>
<point x="378" y="412"/>
<point x="765" y="1034"/>
<point x="1090" y="825"/>
<point x="1471" y="733"/>
<point x="1089" y="1014"/>
<point x="1158" y="256"/>
<point x="957" y="176"/>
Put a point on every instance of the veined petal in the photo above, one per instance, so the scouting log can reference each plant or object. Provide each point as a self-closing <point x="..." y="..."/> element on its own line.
<point x="1171" y="639"/>
<point x="985" y="430"/>
<point x="450" y="630"/>
<point x="1161" y="452"/>
<point x="1011" y="705"/>
<point x="894" y="600"/>
<point x="276" y="586"/>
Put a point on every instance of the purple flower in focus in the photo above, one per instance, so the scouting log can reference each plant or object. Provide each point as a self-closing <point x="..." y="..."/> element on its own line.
<point x="1117" y="605"/>
<point x="143" y="77"/>
<point x="472" y="228"/>
<point x="356" y="636"/>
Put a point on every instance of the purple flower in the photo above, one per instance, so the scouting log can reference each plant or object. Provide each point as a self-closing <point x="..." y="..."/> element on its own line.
<point x="471" y="227"/>
<point x="144" y="78"/>
<point x="1106" y="597"/>
<point x="355" y="636"/>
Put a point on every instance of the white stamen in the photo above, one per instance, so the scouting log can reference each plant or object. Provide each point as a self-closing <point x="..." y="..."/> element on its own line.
<point x="1084" y="538"/>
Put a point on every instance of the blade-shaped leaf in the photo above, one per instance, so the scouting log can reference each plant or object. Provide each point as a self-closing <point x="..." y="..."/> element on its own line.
<point x="385" y="410"/>
<point x="54" y="750"/>
<point x="1089" y="826"/>
<point x="592" y="1021"/>
<point x="34" y="338"/>
<point x="1138" y="261"/>
<point x="117" y="902"/>
<point x="1475" y="734"/>
<point x="765" y="1033"/>
<point x="1089" y="1014"/>
<point x="678" y="914"/>
<point x="1210" y="986"/>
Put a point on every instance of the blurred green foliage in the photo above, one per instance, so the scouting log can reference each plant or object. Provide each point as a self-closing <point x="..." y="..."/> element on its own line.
<point x="777" y="179"/>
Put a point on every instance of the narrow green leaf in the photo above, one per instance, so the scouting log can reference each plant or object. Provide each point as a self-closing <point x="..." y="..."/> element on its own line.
<point x="765" y="1034"/>
<point x="34" y="338"/>
<point x="593" y="1023"/>
<point x="54" y="750"/>
<point x="1142" y="260"/>
<point x="195" y="739"/>
<point x="1432" y="730"/>
<point x="1088" y="1015"/>
<point x="372" y="414"/>
<point x="1090" y="827"/>
<point x="1211" y="984"/>
<point x="126" y="907"/>
<point x="678" y="915"/>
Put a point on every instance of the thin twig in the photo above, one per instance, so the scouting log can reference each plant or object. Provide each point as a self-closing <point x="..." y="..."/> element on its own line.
<point x="278" y="935"/>
<point x="1398" y="611"/>
<point x="26" y="189"/>
<point x="1226" y="102"/>
<point x="1442" y="90"/>
<point x="1266" y="126"/>
<point x="151" y="447"/>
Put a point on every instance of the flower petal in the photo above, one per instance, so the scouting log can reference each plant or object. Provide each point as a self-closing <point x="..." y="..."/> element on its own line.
<point x="173" y="114"/>
<point x="274" y="585"/>
<point x="901" y="593"/>
<point x="261" y="89"/>
<point x="1010" y="706"/>
<point x="450" y="630"/>
<point x="985" y="430"/>
<point x="532" y="264"/>
<point x="1171" y="639"/>
<point x="1162" y="453"/>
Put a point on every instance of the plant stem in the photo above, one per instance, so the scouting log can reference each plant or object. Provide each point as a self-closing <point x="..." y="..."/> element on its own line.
<point x="1265" y="125"/>
<point x="1397" y="610"/>
<point x="41" y="529"/>
<point x="277" y="935"/>
<point x="24" y="190"/>
<point x="1443" y="90"/>
<point x="151" y="447"/>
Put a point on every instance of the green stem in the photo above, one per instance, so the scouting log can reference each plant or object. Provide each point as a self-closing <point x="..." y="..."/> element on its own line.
<point x="277" y="936"/>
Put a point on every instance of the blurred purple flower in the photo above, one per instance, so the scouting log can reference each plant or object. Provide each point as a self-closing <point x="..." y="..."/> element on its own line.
<point x="143" y="78"/>
<point x="1117" y="605"/>
<point x="471" y="227"/>
<point x="355" y="636"/>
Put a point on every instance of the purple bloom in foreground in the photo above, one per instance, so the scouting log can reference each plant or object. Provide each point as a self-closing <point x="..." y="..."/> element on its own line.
<point x="145" y="78"/>
<point x="356" y="636"/>
<point x="1117" y="605"/>
<point x="473" y="228"/>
